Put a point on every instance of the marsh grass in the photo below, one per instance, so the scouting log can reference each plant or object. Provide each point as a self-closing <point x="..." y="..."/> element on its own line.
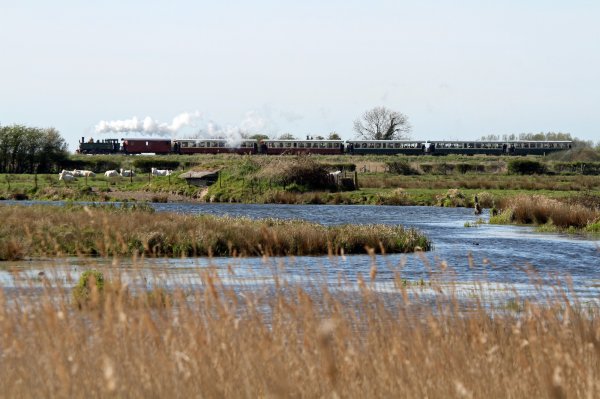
<point x="290" y="341"/>
<point x="108" y="231"/>
<point x="541" y="210"/>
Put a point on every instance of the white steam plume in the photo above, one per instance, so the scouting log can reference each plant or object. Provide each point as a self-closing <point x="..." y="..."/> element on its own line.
<point x="251" y="124"/>
<point x="149" y="126"/>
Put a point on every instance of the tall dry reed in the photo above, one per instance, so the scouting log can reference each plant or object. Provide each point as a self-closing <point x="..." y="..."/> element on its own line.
<point x="287" y="341"/>
<point x="538" y="209"/>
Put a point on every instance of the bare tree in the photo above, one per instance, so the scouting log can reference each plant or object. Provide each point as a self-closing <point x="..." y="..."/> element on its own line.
<point x="381" y="123"/>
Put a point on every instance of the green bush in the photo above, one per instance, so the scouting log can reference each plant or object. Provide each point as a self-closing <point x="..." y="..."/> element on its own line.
<point x="82" y="292"/>
<point x="526" y="167"/>
<point x="401" y="167"/>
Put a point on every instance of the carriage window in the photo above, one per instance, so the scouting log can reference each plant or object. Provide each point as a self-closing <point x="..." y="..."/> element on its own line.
<point x="329" y="145"/>
<point x="300" y="145"/>
<point x="295" y="145"/>
<point x="288" y="145"/>
<point x="222" y="144"/>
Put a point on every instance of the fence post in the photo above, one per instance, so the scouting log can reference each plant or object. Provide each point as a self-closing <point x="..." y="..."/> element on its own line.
<point x="356" y="180"/>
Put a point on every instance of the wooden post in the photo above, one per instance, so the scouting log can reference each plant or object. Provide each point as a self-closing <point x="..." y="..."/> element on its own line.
<point x="149" y="176"/>
<point x="35" y="181"/>
<point x="356" y="180"/>
<point x="131" y="176"/>
<point x="219" y="178"/>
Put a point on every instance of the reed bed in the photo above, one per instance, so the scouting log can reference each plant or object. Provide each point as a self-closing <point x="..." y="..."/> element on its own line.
<point x="218" y="342"/>
<point x="108" y="231"/>
<point x="537" y="209"/>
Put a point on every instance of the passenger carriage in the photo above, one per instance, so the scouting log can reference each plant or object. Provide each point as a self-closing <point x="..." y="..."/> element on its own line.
<point x="385" y="147"/>
<point x="214" y="146"/>
<point x="277" y="147"/>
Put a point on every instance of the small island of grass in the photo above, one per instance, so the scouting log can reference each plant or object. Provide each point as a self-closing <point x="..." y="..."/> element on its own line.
<point x="137" y="230"/>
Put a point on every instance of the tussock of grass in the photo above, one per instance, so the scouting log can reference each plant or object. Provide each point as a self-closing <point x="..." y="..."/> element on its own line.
<point x="540" y="210"/>
<point x="294" y="343"/>
<point x="107" y="231"/>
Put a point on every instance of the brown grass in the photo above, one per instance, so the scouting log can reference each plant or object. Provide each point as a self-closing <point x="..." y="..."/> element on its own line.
<point x="537" y="209"/>
<point x="215" y="342"/>
<point x="482" y="182"/>
<point x="107" y="231"/>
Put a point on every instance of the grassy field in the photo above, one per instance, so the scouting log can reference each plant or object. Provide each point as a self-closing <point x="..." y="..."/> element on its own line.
<point x="133" y="231"/>
<point x="217" y="342"/>
<point x="259" y="179"/>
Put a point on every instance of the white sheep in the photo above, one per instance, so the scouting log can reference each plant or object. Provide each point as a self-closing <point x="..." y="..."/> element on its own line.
<point x="111" y="173"/>
<point x="82" y="173"/>
<point x="161" y="172"/>
<point x="127" y="172"/>
<point x="66" y="176"/>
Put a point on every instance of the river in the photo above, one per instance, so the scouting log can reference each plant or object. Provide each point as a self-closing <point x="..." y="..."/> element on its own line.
<point x="504" y="257"/>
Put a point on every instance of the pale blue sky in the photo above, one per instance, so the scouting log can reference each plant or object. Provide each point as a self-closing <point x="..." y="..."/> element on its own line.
<point x="458" y="69"/>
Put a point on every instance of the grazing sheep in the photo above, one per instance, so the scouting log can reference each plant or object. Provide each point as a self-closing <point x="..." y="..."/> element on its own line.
<point x="111" y="173"/>
<point x="82" y="173"/>
<point x="161" y="172"/>
<point x="127" y="173"/>
<point x="65" y="176"/>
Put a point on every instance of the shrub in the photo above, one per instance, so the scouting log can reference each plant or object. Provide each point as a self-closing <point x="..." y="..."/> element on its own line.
<point x="452" y="198"/>
<point x="525" y="167"/>
<point x="299" y="171"/>
<point x="90" y="284"/>
<point x="469" y="167"/>
<point x="401" y="167"/>
<point x="486" y="199"/>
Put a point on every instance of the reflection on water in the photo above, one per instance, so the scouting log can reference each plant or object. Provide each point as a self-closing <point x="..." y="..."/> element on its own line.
<point x="499" y="255"/>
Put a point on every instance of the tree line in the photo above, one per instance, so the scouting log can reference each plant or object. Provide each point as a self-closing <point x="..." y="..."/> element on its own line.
<point x="25" y="149"/>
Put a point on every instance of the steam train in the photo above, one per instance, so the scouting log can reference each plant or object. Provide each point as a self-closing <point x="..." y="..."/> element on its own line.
<point x="310" y="146"/>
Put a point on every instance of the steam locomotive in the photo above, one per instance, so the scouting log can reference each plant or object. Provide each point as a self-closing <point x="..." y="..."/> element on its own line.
<point x="311" y="146"/>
